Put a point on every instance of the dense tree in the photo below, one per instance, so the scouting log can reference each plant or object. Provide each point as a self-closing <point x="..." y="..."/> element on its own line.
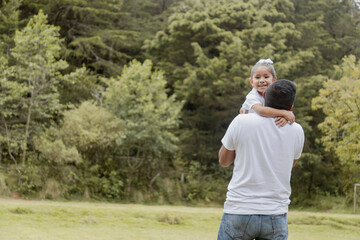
<point x="93" y="33"/>
<point x="36" y="50"/>
<point x="9" y="21"/>
<point x="30" y="86"/>
<point x="34" y="77"/>
<point x="207" y="51"/>
<point x="138" y="98"/>
<point x="323" y="29"/>
<point x="101" y="124"/>
<point x="77" y="154"/>
<point x="317" y="173"/>
<point x="339" y="100"/>
<point x="330" y="29"/>
<point x="103" y="35"/>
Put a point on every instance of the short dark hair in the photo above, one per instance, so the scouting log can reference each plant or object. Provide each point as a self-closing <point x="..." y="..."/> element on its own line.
<point x="280" y="94"/>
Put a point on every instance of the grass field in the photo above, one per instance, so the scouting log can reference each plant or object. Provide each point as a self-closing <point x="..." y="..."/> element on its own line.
<point x="40" y="220"/>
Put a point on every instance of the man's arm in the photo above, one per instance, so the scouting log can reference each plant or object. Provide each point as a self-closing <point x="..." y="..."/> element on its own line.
<point x="226" y="157"/>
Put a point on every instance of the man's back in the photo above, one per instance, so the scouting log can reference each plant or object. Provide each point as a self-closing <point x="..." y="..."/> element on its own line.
<point x="262" y="166"/>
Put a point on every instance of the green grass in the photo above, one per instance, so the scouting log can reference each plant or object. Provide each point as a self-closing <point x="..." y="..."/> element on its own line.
<point x="40" y="220"/>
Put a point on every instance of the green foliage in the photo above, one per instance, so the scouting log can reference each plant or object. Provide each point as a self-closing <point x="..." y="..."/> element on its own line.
<point x="29" y="85"/>
<point x="36" y="50"/>
<point x="55" y="152"/>
<point x="85" y="139"/>
<point x="4" y="189"/>
<point x="104" y="35"/>
<point x="209" y="47"/>
<point x="29" y="183"/>
<point x="324" y="30"/>
<point x="9" y="21"/>
<point x="91" y="129"/>
<point x="78" y="86"/>
<point x="329" y="29"/>
<point x="131" y="144"/>
<point x="111" y="186"/>
<point x="30" y="99"/>
<point x="202" y="186"/>
<point x="339" y="101"/>
<point x="317" y="172"/>
<point x="91" y="29"/>
<point x="138" y="98"/>
<point x="207" y="51"/>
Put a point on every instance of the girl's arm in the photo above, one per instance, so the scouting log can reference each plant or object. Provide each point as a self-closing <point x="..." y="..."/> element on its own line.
<point x="273" y="112"/>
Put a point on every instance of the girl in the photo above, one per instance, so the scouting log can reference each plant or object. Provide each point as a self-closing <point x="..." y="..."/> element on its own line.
<point x="261" y="76"/>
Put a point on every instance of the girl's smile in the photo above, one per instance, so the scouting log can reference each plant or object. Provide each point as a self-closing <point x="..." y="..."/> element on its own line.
<point x="261" y="79"/>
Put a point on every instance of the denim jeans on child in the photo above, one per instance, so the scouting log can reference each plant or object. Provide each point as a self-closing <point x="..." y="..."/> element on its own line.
<point x="249" y="227"/>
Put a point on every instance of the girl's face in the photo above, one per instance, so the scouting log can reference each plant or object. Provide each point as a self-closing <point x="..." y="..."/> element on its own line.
<point x="261" y="79"/>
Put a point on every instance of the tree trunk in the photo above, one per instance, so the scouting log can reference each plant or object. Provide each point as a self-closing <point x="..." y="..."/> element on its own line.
<point x="27" y="129"/>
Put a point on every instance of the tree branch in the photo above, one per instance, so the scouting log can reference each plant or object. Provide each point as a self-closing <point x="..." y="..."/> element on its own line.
<point x="8" y="143"/>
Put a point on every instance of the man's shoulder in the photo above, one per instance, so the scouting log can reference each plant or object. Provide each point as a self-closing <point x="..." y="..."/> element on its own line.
<point x="299" y="129"/>
<point x="295" y="129"/>
<point x="249" y="118"/>
<point x="297" y="126"/>
<point x="255" y="119"/>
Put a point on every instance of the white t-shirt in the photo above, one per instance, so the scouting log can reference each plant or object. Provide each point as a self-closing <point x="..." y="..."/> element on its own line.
<point x="262" y="168"/>
<point x="252" y="98"/>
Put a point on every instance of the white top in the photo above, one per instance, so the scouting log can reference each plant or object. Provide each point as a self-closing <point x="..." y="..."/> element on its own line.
<point x="262" y="168"/>
<point x="252" y="98"/>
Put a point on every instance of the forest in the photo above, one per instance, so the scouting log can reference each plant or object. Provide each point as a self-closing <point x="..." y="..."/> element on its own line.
<point x="127" y="100"/>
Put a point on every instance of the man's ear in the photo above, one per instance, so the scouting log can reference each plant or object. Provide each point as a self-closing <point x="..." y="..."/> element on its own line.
<point x="291" y="107"/>
<point x="263" y="94"/>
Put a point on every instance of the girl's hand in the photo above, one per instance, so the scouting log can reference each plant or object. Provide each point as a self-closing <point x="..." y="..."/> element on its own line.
<point x="289" y="116"/>
<point x="242" y="111"/>
<point x="280" y="121"/>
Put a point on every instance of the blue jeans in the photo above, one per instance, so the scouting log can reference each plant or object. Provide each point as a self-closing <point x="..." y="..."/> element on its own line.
<point x="249" y="227"/>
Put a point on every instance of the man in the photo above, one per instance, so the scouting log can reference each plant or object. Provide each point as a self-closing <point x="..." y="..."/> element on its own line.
<point x="258" y="194"/>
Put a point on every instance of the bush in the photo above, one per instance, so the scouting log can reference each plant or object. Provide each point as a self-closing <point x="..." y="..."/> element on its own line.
<point x="4" y="190"/>
<point x="51" y="190"/>
<point x="27" y="182"/>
